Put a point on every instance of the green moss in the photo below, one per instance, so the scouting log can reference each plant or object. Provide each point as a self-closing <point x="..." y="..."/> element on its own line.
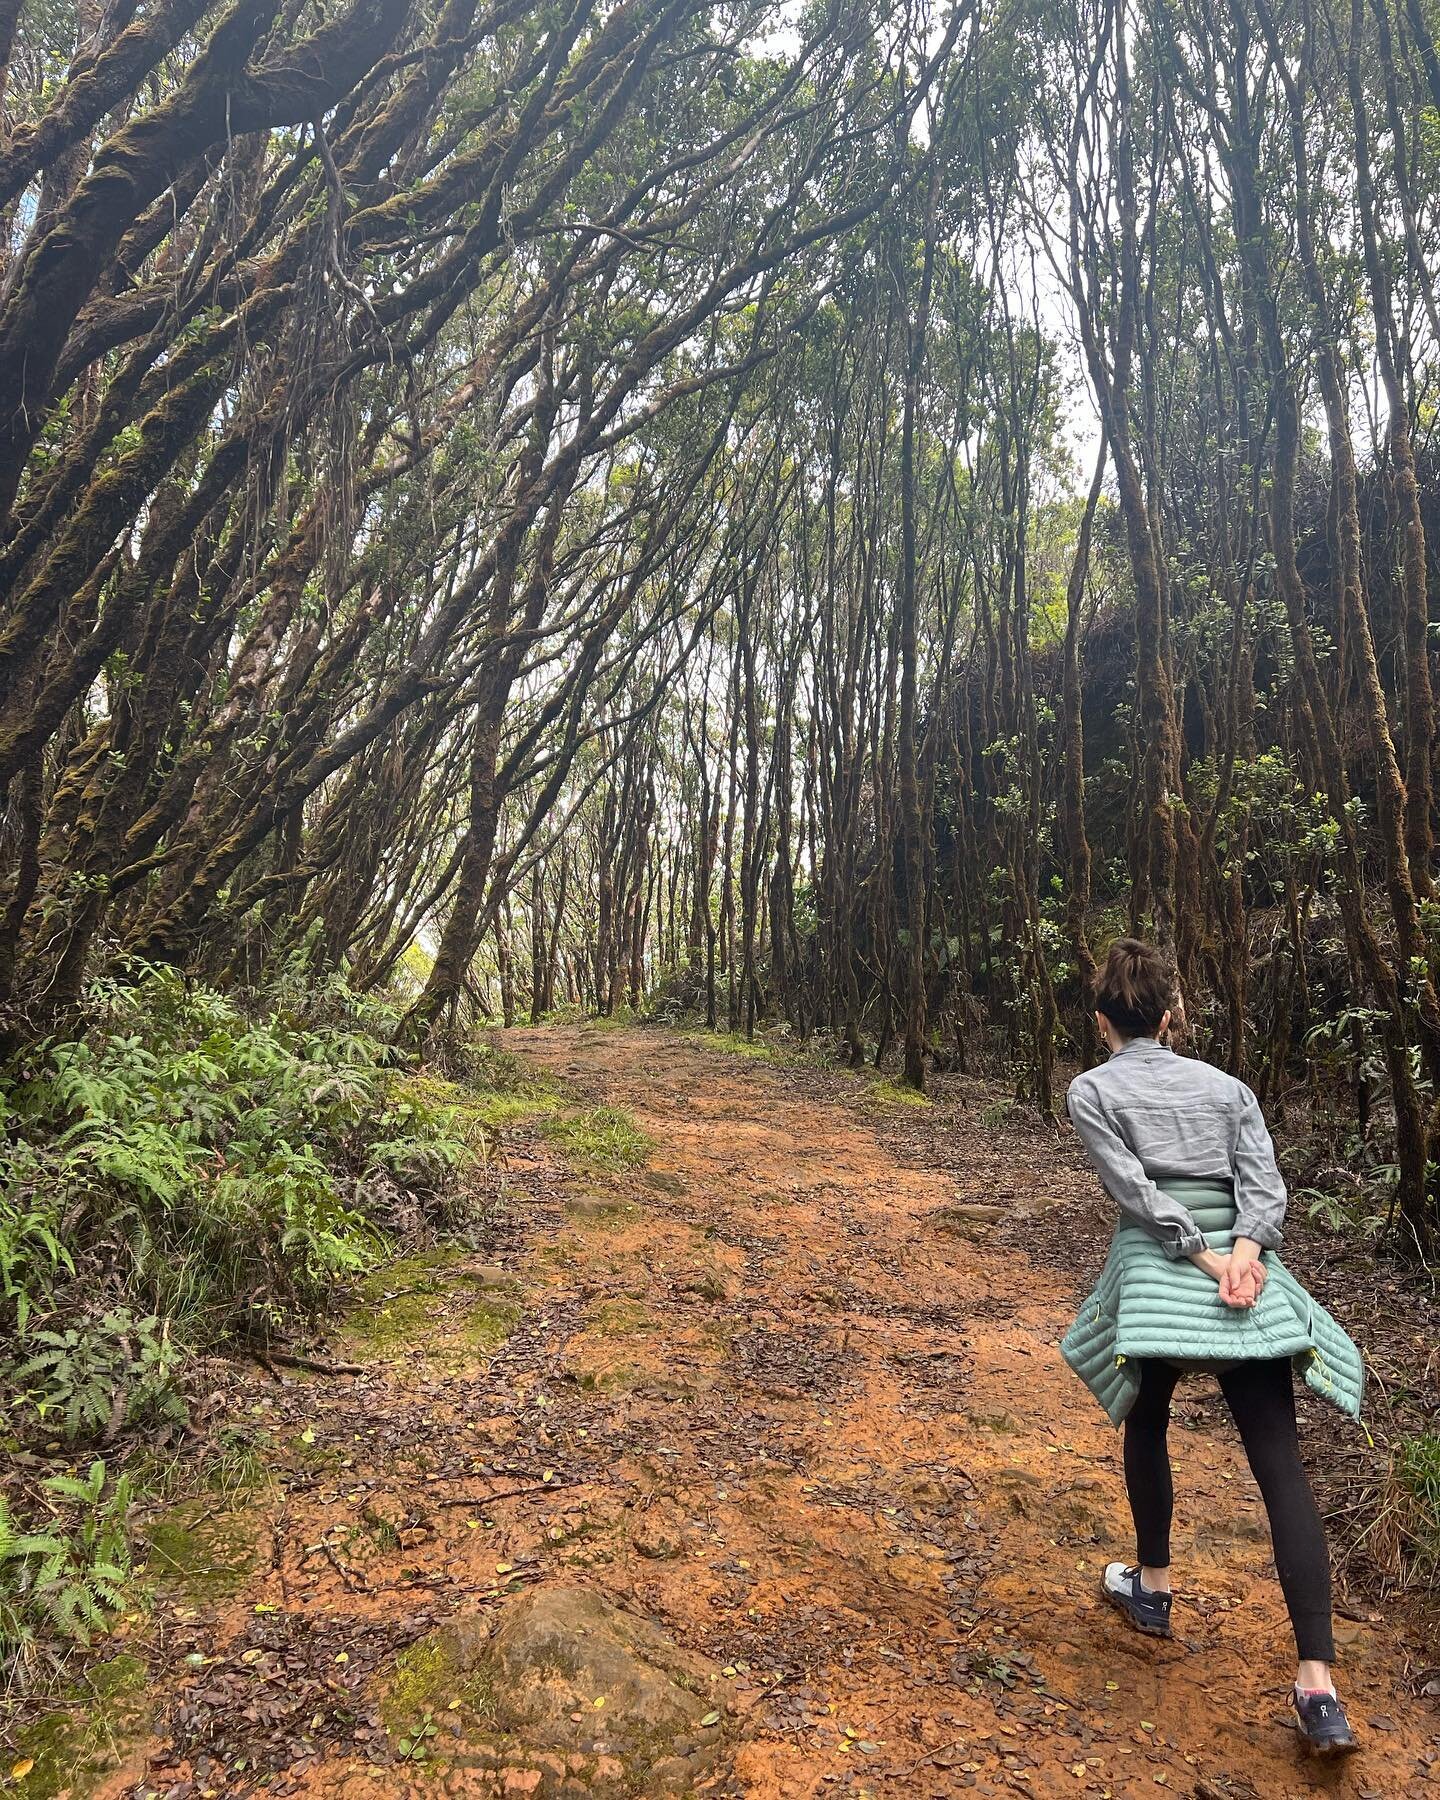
<point x="414" y="1287"/>
<point x="597" y="1209"/>
<point x="417" y="1271"/>
<point x="193" y="1551"/>
<point x="480" y="1108"/>
<point x="397" y="1324"/>
<point x="426" y="1678"/>
<point x="603" y="1139"/>
<point x="488" y="1323"/>
<point x="497" y="1111"/>
<point x="619" y="1020"/>
<point x="121" y="1675"/>
<point x="1001" y="1422"/>
<point x="72" y="1749"/>
<point x="617" y="1379"/>
<point x="622" y="1318"/>
<point x="705" y="1284"/>
<point x="894" y="1093"/>
<point x="55" y="1744"/>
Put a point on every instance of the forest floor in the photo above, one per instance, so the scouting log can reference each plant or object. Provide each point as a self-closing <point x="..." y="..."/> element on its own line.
<point x="771" y="1391"/>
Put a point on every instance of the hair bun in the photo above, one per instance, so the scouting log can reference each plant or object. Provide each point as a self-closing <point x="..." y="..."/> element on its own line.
<point x="1136" y="987"/>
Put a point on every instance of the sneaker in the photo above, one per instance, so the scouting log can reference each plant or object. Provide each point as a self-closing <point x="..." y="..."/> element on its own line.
<point x="1147" y="1612"/>
<point x="1324" y="1729"/>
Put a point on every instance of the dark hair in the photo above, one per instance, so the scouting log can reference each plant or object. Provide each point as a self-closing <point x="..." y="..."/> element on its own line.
<point x="1136" y="988"/>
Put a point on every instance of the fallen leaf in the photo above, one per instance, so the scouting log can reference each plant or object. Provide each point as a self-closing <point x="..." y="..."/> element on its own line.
<point x="19" y="1770"/>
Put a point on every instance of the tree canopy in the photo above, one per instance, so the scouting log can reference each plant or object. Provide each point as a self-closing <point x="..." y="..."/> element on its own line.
<point x="818" y="515"/>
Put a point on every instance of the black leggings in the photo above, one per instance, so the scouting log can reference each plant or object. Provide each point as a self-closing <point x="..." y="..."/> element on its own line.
<point x="1261" y="1396"/>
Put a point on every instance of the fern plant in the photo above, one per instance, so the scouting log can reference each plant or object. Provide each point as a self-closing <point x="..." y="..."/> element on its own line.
<point x="67" y="1577"/>
<point x="100" y="1374"/>
<point x="204" y="1163"/>
<point x="32" y="1256"/>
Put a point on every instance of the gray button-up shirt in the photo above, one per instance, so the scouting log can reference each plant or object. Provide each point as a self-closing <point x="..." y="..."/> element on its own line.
<point x="1148" y="1113"/>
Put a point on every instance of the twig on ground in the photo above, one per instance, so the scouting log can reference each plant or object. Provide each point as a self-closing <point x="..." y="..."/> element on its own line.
<point x="289" y="1359"/>
<point x="535" y="1487"/>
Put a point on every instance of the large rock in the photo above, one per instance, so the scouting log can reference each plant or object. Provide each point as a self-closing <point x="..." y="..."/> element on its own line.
<point x="572" y="1682"/>
<point x="559" y="1650"/>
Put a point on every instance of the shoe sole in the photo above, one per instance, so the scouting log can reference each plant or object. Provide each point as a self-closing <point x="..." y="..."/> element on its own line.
<point x="1332" y="1752"/>
<point x="1136" y="1623"/>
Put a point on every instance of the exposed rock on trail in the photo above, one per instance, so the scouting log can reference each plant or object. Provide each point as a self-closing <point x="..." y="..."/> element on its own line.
<point x="565" y="1671"/>
<point x="754" y="1436"/>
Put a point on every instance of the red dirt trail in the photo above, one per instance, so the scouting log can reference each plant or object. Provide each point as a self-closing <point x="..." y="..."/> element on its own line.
<point x="758" y="1392"/>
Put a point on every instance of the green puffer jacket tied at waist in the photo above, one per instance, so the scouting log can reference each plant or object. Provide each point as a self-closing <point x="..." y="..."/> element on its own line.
<point x="1147" y="1306"/>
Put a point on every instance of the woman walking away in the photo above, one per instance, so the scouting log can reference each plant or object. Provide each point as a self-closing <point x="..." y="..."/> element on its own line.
<point x="1192" y="1282"/>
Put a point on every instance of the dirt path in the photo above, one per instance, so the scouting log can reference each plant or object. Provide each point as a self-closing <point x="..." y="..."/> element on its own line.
<point x="755" y="1392"/>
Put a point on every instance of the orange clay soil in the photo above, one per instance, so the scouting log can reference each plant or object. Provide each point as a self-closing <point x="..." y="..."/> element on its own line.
<point x="770" y="1392"/>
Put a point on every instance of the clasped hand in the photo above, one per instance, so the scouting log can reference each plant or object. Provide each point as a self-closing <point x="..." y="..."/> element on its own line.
<point x="1239" y="1273"/>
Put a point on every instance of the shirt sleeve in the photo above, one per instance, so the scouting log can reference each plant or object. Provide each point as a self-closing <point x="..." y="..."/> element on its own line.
<point x="1260" y="1196"/>
<point x="1124" y="1179"/>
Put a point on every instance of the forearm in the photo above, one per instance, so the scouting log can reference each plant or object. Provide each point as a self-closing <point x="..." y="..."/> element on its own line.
<point x="1260" y="1196"/>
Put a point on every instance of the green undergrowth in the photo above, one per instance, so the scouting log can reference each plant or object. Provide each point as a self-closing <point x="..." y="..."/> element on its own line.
<point x="734" y="1043"/>
<point x="601" y="1140"/>
<point x="1415" y="1504"/>
<point x="191" y="1170"/>
<point x="210" y="1167"/>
